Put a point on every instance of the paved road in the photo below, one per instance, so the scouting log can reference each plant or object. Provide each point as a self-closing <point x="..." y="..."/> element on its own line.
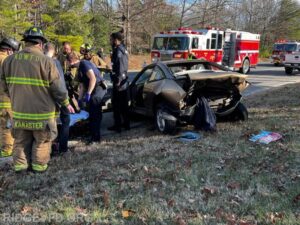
<point x="266" y="76"/>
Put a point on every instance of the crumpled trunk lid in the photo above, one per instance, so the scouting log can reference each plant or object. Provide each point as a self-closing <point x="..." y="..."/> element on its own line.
<point x="219" y="80"/>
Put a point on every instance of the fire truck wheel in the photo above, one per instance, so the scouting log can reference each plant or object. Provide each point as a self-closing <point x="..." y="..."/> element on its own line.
<point x="288" y="70"/>
<point x="246" y="67"/>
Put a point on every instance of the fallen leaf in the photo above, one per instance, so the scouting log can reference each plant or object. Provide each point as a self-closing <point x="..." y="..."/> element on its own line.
<point x="209" y="190"/>
<point x="80" y="194"/>
<point x="274" y="217"/>
<point x="296" y="199"/>
<point x="120" y="204"/>
<point x="188" y="164"/>
<point x="230" y="219"/>
<point x="81" y="211"/>
<point x="171" y="203"/>
<point x="145" y="168"/>
<point x="127" y="213"/>
<point x="234" y="185"/>
<point x="106" y="199"/>
<point x="246" y="222"/>
<point x="219" y="213"/>
<point x="180" y="221"/>
<point x="26" y="209"/>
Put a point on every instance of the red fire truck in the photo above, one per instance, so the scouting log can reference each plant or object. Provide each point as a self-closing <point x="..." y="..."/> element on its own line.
<point x="281" y="48"/>
<point x="238" y="50"/>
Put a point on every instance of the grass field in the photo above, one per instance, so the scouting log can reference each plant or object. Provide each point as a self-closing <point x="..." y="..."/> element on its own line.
<point x="143" y="177"/>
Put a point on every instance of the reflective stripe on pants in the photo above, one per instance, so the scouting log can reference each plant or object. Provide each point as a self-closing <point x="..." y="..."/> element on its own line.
<point x="6" y="139"/>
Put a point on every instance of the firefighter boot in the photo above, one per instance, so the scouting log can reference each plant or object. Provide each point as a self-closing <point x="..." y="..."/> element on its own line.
<point x="5" y="134"/>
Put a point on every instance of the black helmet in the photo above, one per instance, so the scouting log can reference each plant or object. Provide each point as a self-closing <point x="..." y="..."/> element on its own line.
<point x="9" y="42"/>
<point x="35" y="35"/>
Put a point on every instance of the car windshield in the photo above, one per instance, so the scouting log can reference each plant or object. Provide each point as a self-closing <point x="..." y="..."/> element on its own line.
<point x="199" y="66"/>
<point x="170" y="43"/>
<point x="290" y="47"/>
<point x="278" y="47"/>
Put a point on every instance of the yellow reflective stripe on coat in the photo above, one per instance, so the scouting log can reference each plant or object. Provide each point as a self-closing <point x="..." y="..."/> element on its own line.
<point x="33" y="116"/>
<point x="5" y="105"/>
<point x="65" y="102"/>
<point x="20" y="167"/>
<point x="27" y="81"/>
<point x="38" y="167"/>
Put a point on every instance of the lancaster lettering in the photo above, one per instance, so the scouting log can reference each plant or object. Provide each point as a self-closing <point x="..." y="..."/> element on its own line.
<point x="29" y="125"/>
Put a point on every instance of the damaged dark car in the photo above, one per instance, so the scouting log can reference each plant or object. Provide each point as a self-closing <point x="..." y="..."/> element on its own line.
<point x="169" y="91"/>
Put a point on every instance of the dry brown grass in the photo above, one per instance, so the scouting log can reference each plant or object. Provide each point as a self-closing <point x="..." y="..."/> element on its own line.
<point x="136" y="62"/>
<point x="221" y="179"/>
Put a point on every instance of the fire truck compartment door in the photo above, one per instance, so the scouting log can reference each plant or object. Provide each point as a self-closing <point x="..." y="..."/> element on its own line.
<point x="229" y="50"/>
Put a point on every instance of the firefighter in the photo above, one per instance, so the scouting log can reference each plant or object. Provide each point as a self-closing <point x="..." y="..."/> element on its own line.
<point x="63" y="134"/>
<point x="62" y="57"/>
<point x="86" y="52"/>
<point x="32" y="81"/>
<point x="100" y="53"/>
<point x="7" y="47"/>
<point x="120" y="83"/>
<point x="92" y="89"/>
<point x="191" y="55"/>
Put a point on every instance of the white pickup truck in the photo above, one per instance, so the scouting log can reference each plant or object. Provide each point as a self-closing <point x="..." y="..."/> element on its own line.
<point x="292" y="62"/>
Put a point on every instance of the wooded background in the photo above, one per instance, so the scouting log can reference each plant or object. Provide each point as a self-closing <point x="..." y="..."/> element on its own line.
<point x="92" y="21"/>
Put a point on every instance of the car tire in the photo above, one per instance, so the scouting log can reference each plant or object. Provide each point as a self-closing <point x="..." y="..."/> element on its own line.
<point x="240" y="113"/>
<point x="245" y="67"/>
<point x="163" y="125"/>
<point x="289" y="70"/>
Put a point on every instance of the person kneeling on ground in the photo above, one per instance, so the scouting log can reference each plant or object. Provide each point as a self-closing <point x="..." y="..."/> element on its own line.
<point x="92" y="89"/>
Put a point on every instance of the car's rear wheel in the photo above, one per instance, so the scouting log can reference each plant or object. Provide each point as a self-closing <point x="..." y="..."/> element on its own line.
<point x="245" y="67"/>
<point x="289" y="70"/>
<point x="163" y="124"/>
<point x="240" y="113"/>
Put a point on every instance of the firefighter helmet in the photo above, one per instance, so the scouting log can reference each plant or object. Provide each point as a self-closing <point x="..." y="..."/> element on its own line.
<point x="9" y="42"/>
<point x="35" y="35"/>
<point x="86" y="47"/>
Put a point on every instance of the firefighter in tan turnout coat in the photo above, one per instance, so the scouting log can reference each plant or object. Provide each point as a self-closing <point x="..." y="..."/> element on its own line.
<point x="7" y="47"/>
<point x="32" y="82"/>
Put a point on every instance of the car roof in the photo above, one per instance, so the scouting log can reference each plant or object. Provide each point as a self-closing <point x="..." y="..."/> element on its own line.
<point x="188" y="61"/>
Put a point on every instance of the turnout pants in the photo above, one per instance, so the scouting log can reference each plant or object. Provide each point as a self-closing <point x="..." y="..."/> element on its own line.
<point x="121" y="108"/>
<point x="6" y="139"/>
<point x="32" y="149"/>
